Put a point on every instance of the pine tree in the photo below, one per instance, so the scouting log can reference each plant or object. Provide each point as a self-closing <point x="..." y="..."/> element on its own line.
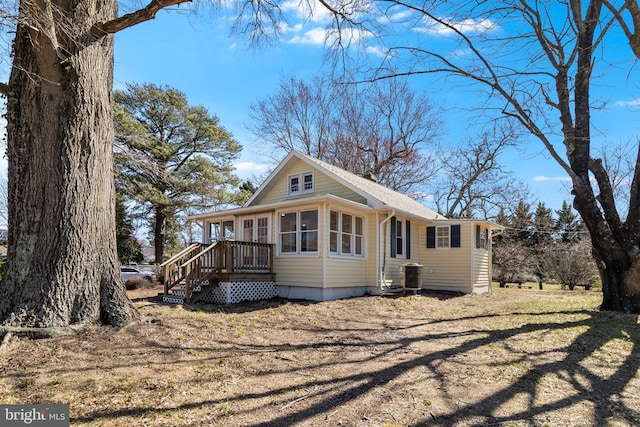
<point x="170" y="156"/>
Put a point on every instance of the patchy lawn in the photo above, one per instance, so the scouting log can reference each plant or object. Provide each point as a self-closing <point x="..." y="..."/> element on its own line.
<point x="513" y="357"/>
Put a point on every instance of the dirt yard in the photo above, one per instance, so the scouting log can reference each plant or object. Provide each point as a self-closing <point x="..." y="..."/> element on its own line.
<point x="513" y="357"/>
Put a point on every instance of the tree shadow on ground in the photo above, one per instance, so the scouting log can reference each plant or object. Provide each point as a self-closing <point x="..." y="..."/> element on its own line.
<point x="570" y="361"/>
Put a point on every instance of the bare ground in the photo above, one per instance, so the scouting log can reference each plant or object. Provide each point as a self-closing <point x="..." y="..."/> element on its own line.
<point x="513" y="357"/>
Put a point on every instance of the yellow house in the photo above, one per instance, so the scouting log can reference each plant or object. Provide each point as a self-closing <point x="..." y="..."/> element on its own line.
<point x="314" y="231"/>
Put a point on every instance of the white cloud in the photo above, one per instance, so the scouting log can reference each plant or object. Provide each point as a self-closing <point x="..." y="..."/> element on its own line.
<point x="465" y="26"/>
<point x="541" y="178"/>
<point x="396" y="17"/>
<point x="632" y="103"/>
<point x="316" y="36"/>
<point x="322" y="36"/>
<point x="249" y="170"/>
<point x="377" y="51"/>
<point x="309" y="11"/>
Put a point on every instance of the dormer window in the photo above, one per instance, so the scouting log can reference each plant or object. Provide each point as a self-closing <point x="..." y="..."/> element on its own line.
<point x="301" y="183"/>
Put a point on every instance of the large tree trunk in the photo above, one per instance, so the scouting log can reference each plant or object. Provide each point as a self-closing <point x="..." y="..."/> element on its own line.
<point x="159" y="234"/>
<point x="615" y="242"/>
<point x="62" y="263"/>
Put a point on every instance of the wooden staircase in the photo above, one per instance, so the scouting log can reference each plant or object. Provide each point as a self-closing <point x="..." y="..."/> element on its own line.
<point x="198" y="291"/>
<point x="192" y="273"/>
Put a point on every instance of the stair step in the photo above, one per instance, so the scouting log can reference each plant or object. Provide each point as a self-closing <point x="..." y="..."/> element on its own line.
<point x="197" y="288"/>
<point x="170" y="299"/>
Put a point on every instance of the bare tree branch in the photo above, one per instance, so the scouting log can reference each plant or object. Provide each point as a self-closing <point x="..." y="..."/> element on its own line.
<point x="129" y="20"/>
<point x="632" y="34"/>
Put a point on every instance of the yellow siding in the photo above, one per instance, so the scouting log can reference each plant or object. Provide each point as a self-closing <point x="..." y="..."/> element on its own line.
<point x="353" y="271"/>
<point x="345" y="272"/>
<point x="392" y="267"/>
<point x="298" y="271"/>
<point x="323" y="184"/>
<point x="481" y="267"/>
<point x="448" y="269"/>
<point x="372" y="248"/>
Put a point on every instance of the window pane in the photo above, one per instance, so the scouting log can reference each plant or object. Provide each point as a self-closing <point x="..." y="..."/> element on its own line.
<point x="309" y="241"/>
<point x="333" y="242"/>
<point x="288" y="242"/>
<point x="358" y="245"/>
<point x="308" y="182"/>
<point x="333" y="221"/>
<point x="359" y="226"/>
<point x="309" y="220"/>
<point x="294" y="184"/>
<point x="214" y="231"/>
<point x="399" y="239"/>
<point x="347" y="223"/>
<point x="263" y="230"/>
<point x="227" y="229"/>
<point x="288" y="222"/>
<point x="346" y="244"/>
<point x="247" y="230"/>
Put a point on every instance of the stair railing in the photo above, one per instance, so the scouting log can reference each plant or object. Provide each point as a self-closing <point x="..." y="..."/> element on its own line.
<point x="197" y="268"/>
<point x="171" y="271"/>
<point x="225" y="256"/>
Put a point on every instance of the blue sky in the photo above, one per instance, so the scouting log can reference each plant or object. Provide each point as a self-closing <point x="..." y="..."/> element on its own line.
<point x="195" y="54"/>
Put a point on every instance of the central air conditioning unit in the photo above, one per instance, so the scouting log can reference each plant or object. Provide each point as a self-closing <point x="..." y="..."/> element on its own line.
<point x="412" y="277"/>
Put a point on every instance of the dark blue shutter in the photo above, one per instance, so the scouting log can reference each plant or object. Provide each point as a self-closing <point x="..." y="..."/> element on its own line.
<point x="455" y="236"/>
<point x="478" y="243"/>
<point x="408" y="240"/>
<point x="431" y="237"/>
<point x="486" y="239"/>
<point x="394" y="240"/>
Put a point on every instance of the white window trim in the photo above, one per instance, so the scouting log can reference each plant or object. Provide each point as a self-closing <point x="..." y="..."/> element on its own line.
<point x="298" y="233"/>
<point x="301" y="189"/>
<point x="448" y="227"/>
<point x="403" y="231"/>
<point x="353" y="235"/>
<point x="484" y="238"/>
<point x="221" y="222"/>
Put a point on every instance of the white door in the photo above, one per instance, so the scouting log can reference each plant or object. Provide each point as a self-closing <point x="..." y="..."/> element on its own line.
<point x="256" y="229"/>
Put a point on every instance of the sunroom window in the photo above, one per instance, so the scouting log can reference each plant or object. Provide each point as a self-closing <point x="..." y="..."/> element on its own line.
<point x="346" y="234"/>
<point x="299" y="232"/>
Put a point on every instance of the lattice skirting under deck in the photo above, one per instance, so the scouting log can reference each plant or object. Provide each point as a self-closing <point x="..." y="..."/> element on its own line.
<point x="235" y="292"/>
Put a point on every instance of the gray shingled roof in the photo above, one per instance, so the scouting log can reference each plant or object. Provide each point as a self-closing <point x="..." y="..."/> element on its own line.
<point x="377" y="195"/>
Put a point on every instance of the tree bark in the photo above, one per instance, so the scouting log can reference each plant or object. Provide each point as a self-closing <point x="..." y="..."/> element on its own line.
<point x="160" y="234"/>
<point x="615" y="243"/>
<point x="62" y="266"/>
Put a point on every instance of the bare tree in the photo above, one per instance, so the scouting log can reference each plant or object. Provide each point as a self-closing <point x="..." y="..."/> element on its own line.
<point x="298" y="117"/>
<point x="571" y="264"/>
<point x="383" y="130"/>
<point x="511" y="262"/>
<point x="473" y="181"/>
<point x="538" y="62"/>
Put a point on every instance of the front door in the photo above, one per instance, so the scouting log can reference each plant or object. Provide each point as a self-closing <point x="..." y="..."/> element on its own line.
<point x="256" y="229"/>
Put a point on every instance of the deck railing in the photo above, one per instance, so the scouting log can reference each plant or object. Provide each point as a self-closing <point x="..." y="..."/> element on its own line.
<point x="239" y="257"/>
<point x="226" y="256"/>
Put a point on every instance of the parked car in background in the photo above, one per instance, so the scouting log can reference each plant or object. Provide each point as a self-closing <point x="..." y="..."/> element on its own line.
<point x="129" y="272"/>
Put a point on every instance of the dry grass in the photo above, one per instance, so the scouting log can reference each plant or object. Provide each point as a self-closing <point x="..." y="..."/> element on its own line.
<point x="514" y="357"/>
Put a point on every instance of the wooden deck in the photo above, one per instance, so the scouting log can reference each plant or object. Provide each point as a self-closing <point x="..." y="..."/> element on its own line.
<point x="224" y="261"/>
